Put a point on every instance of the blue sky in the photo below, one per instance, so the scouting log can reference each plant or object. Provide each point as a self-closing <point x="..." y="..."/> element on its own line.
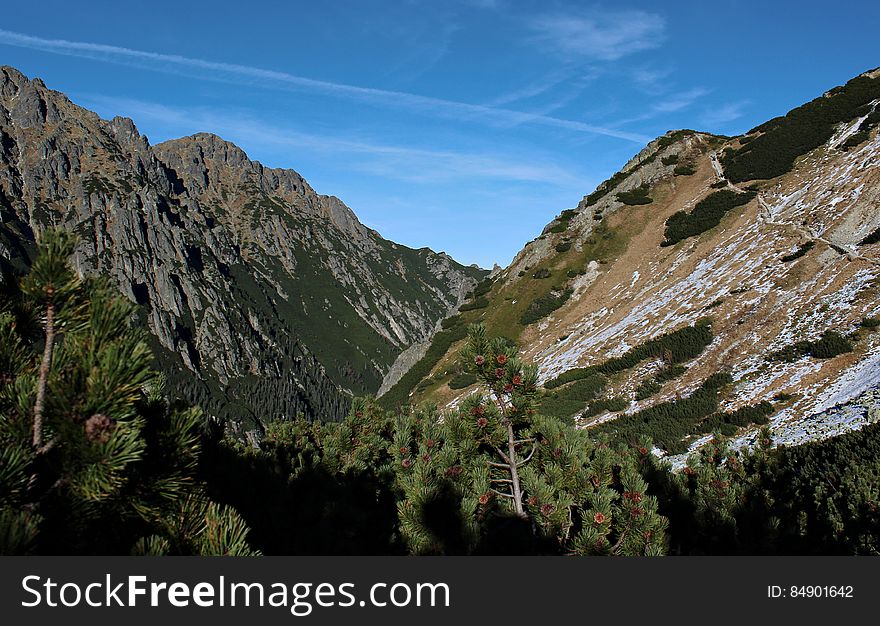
<point x="463" y="125"/>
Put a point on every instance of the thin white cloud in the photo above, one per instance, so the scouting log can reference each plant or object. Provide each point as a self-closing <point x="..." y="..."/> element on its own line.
<point x="652" y="79"/>
<point x="390" y="161"/>
<point x="598" y="34"/>
<point x="424" y="51"/>
<point x="672" y="103"/>
<point x="570" y="85"/>
<point x="270" y="79"/>
<point x="533" y="89"/>
<point x="679" y="101"/>
<point x="724" y="114"/>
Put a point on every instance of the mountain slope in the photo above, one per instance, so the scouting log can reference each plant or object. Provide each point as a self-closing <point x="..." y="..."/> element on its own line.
<point x="265" y="298"/>
<point x="776" y="274"/>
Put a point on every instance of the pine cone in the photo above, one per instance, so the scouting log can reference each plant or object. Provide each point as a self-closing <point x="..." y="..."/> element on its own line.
<point x="99" y="427"/>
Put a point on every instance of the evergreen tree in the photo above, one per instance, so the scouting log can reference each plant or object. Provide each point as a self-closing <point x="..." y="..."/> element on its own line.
<point x="93" y="457"/>
<point x="311" y="487"/>
<point x="492" y="476"/>
<point x="495" y="475"/>
<point x="773" y="500"/>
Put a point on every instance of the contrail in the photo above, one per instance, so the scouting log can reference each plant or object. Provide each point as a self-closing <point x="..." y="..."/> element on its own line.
<point x="212" y="70"/>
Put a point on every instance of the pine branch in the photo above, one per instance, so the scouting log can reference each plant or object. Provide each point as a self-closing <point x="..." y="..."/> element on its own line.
<point x="510" y="458"/>
<point x="505" y="457"/>
<point x="44" y="449"/>
<point x="514" y="475"/>
<point x="528" y="458"/>
<point x="40" y="402"/>
<point x="619" y="541"/>
<point x="504" y="495"/>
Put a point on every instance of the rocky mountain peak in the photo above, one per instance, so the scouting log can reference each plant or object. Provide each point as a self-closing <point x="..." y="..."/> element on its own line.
<point x="264" y="298"/>
<point x="219" y="172"/>
<point x="31" y="103"/>
<point x="126" y="134"/>
<point x="208" y="150"/>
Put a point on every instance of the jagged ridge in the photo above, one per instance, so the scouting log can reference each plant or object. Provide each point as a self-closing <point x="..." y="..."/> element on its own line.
<point x="265" y="298"/>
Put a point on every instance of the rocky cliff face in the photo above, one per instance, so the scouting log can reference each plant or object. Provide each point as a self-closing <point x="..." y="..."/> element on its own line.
<point x="264" y="298"/>
<point x="798" y="257"/>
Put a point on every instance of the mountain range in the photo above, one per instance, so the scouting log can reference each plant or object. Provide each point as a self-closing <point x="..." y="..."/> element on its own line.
<point x="264" y="299"/>
<point x="713" y="283"/>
